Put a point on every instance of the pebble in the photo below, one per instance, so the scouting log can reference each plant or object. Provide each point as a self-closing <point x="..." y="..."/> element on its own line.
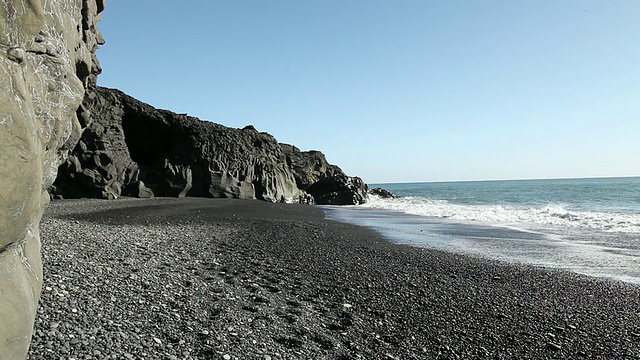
<point x="554" y="347"/>
<point x="122" y="317"/>
<point x="16" y="54"/>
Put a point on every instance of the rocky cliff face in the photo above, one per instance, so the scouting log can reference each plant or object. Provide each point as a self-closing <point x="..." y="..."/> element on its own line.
<point x="47" y="72"/>
<point x="326" y="183"/>
<point x="133" y="149"/>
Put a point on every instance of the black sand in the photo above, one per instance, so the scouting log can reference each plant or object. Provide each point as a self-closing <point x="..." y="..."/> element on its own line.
<point x="232" y="279"/>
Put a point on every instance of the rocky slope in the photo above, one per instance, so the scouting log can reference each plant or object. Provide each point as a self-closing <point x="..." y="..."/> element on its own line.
<point x="133" y="149"/>
<point x="47" y="72"/>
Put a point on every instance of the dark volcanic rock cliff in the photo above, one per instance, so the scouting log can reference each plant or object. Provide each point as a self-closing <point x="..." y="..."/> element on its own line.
<point x="133" y="149"/>
<point x="325" y="182"/>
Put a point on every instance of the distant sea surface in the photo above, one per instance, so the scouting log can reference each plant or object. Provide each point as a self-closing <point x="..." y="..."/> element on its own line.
<point x="588" y="226"/>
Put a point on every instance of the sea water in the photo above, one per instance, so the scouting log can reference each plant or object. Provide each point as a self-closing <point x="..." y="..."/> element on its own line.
<point x="588" y="226"/>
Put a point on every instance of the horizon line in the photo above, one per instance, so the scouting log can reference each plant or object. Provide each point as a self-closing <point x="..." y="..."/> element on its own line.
<point x="518" y="179"/>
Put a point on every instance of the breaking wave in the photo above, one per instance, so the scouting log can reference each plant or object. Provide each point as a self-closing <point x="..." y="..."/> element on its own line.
<point x="550" y="214"/>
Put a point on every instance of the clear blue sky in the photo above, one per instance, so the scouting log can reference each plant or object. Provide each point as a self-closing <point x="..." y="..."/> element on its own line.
<point x="397" y="91"/>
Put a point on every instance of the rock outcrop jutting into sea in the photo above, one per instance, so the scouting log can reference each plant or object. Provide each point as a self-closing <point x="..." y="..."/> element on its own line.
<point x="48" y="71"/>
<point x="133" y="149"/>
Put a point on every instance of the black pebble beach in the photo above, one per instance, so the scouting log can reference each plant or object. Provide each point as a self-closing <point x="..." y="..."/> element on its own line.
<point x="235" y="279"/>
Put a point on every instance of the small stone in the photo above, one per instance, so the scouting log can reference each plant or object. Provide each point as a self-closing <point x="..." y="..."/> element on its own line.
<point x="267" y="357"/>
<point x="554" y="347"/>
<point x="157" y="340"/>
<point x="16" y="54"/>
<point x="204" y="332"/>
<point x="226" y="357"/>
<point x="347" y="306"/>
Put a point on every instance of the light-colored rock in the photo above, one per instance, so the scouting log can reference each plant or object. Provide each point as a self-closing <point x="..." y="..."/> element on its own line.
<point x="42" y="43"/>
<point x="139" y="190"/>
<point x="224" y="185"/>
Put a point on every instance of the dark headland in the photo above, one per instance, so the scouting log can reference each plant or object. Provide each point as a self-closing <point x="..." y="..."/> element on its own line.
<point x="238" y="279"/>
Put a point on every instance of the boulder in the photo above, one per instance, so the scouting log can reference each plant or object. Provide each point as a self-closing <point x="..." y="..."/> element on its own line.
<point x="138" y="190"/>
<point x="382" y="193"/>
<point x="47" y="72"/>
<point x="339" y="190"/>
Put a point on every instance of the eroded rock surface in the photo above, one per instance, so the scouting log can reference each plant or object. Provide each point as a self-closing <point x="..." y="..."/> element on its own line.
<point x="326" y="183"/>
<point x="133" y="149"/>
<point x="382" y="193"/>
<point x="47" y="71"/>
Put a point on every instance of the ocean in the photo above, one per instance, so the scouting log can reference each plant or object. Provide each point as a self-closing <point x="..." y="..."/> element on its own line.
<point x="588" y="226"/>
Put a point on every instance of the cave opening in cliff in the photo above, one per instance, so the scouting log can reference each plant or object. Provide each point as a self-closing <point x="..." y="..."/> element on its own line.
<point x="148" y="139"/>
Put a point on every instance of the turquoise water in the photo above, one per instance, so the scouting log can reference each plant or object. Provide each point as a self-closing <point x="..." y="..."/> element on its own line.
<point x="589" y="226"/>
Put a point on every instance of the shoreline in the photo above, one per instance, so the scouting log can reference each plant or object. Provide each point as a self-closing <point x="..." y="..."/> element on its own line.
<point x="240" y="279"/>
<point x="546" y="246"/>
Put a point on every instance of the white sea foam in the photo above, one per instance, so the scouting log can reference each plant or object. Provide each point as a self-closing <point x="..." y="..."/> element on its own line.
<point x="550" y="214"/>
